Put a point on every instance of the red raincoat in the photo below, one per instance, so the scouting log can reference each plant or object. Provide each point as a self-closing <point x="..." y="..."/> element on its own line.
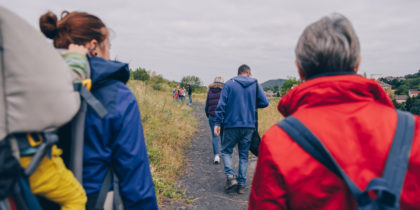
<point x="356" y="121"/>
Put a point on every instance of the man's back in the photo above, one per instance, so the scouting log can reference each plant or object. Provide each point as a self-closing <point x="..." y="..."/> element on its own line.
<point x="238" y="102"/>
<point x="356" y="121"/>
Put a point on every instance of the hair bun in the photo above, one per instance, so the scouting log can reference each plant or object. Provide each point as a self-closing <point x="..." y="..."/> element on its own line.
<point x="48" y="24"/>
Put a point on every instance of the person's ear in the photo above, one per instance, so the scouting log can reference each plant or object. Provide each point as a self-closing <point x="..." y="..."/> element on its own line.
<point x="301" y="73"/>
<point x="92" y="47"/>
<point x="356" y="69"/>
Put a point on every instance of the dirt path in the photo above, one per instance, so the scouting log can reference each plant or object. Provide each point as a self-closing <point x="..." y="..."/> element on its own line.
<point x="204" y="181"/>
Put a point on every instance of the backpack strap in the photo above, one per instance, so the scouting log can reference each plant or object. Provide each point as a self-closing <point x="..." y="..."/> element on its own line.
<point x="94" y="103"/>
<point x="311" y="144"/>
<point x="390" y="186"/>
<point x="110" y="178"/>
<point x="397" y="161"/>
<point x="50" y="138"/>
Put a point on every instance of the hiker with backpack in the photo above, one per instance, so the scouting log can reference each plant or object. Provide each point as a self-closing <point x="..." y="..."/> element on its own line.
<point x="114" y="144"/>
<point x="52" y="179"/>
<point x="240" y="98"/>
<point x="40" y="98"/>
<point x="213" y="96"/>
<point x="342" y="144"/>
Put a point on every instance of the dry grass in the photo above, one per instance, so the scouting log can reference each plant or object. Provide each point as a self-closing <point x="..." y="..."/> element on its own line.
<point x="268" y="116"/>
<point x="199" y="97"/>
<point x="168" y="127"/>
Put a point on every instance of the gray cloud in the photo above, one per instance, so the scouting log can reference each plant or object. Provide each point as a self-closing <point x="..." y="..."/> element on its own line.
<point x="212" y="38"/>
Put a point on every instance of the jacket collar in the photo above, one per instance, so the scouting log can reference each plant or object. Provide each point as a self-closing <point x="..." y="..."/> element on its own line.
<point x="334" y="89"/>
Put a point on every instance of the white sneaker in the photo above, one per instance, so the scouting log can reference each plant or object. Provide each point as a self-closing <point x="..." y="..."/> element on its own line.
<point x="216" y="159"/>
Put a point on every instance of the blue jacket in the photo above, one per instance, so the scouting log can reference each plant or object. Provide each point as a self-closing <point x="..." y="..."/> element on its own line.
<point x="238" y="101"/>
<point x="118" y="139"/>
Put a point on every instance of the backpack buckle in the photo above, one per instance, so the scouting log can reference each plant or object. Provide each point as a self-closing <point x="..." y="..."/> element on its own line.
<point x="87" y="83"/>
<point x="34" y="142"/>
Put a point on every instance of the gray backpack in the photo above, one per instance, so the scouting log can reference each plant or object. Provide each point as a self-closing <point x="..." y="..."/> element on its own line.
<point x="37" y="96"/>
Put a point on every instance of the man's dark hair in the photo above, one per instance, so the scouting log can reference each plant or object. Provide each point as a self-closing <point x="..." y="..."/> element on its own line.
<point x="328" y="45"/>
<point x="244" y="69"/>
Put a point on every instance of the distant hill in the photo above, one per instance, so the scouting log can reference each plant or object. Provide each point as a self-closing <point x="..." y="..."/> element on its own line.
<point x="272" y="83"/>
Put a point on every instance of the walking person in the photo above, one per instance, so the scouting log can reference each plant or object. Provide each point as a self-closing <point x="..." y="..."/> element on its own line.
<point x="115" y="142"/>
<point x="354" y="120"/>
<point x="176" y="97"/>
<point x="189" y="93"/>
<point x="173" y="94"/>
<point x="183" y="93"/>
<point x="240" y="98"/>
<point x="213" y="96"/>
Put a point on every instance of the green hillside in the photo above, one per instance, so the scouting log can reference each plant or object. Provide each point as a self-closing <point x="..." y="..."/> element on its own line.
<point x="273" y="83"/>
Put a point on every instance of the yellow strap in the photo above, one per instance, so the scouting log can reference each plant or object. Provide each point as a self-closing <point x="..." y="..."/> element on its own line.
<point x="32" y="141"/>
<point x="87" y="83"/>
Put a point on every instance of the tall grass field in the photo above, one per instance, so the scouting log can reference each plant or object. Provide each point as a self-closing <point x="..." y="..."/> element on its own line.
<point x="168" y="128"/>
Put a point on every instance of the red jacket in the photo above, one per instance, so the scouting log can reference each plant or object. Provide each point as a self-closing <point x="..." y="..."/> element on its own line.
<point x="356" y="121"/>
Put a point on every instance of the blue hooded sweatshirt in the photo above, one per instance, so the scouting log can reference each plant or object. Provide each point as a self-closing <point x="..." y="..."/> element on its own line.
<point x="117" y="140"/>
<point x="238" y="102"/>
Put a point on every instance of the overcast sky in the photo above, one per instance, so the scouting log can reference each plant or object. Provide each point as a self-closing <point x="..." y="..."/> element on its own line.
<point x="176" y="38"/>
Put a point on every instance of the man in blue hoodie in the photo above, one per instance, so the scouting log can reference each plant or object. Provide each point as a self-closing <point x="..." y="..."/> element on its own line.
<point x="240" y="98"/>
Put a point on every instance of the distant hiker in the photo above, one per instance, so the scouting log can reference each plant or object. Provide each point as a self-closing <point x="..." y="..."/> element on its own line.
<point x="115" y="143"/>
<point x="213" y="96"/>
<point x="239" y="99"/>
<point x="189" y="89"/>
<point x="176" y="94"/>
<point x="173" y="93"/>
<point x="355" y="121"/>
<point x="183" y="94"/>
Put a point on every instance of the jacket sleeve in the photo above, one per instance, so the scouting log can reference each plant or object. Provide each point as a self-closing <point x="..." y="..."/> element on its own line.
<point x="262" y="100"/>
<point x="268" y="189"/>
<point x="78" y="63"/>
<point x="206" y="109"/>
<point x="129" y="156"/>
<point x="221" y="106"/>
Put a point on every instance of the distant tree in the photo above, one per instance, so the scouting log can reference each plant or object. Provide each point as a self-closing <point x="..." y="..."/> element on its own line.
<point x="140" y="74"/>
<point x="267" y="88"/>
<point x="413" y="105"/>
<point x="288" y="84"/>
<point x="398" y="105"/>
<point x="193" y="81"/>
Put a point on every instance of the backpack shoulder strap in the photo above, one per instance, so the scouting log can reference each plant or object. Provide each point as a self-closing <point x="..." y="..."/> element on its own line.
<point x="397" y="161"/>
<point x="311" y="144"/>
<point x="110" y="178"/>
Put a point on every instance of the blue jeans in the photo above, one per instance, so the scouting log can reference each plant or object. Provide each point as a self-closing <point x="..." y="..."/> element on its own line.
<point x="189" y="97"/>
<point x="231" y="137"/>
<point x="215" y="139"/>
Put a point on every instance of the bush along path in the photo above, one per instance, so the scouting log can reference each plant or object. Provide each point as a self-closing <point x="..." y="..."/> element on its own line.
<point x="203" y="181"/>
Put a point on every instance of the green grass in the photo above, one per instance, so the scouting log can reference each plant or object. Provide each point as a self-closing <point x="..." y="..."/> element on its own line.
<point x="168" y="127"/>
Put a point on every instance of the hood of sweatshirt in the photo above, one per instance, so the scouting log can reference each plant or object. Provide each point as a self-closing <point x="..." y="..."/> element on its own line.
<point x="244" y="81"/>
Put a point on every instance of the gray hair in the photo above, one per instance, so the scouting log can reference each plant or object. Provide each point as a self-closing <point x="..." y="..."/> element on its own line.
<point x="328" y="45"/>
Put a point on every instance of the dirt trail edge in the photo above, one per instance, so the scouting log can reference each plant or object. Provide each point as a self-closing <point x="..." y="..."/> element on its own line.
<point x="204" y="181"/>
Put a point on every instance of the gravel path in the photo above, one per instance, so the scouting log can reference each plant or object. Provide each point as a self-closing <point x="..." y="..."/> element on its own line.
<point x="204" y="181"/>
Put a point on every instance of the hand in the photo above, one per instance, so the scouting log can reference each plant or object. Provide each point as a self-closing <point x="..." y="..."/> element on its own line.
<point x="77" y="48"/>
<point x="217" y="130"/>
